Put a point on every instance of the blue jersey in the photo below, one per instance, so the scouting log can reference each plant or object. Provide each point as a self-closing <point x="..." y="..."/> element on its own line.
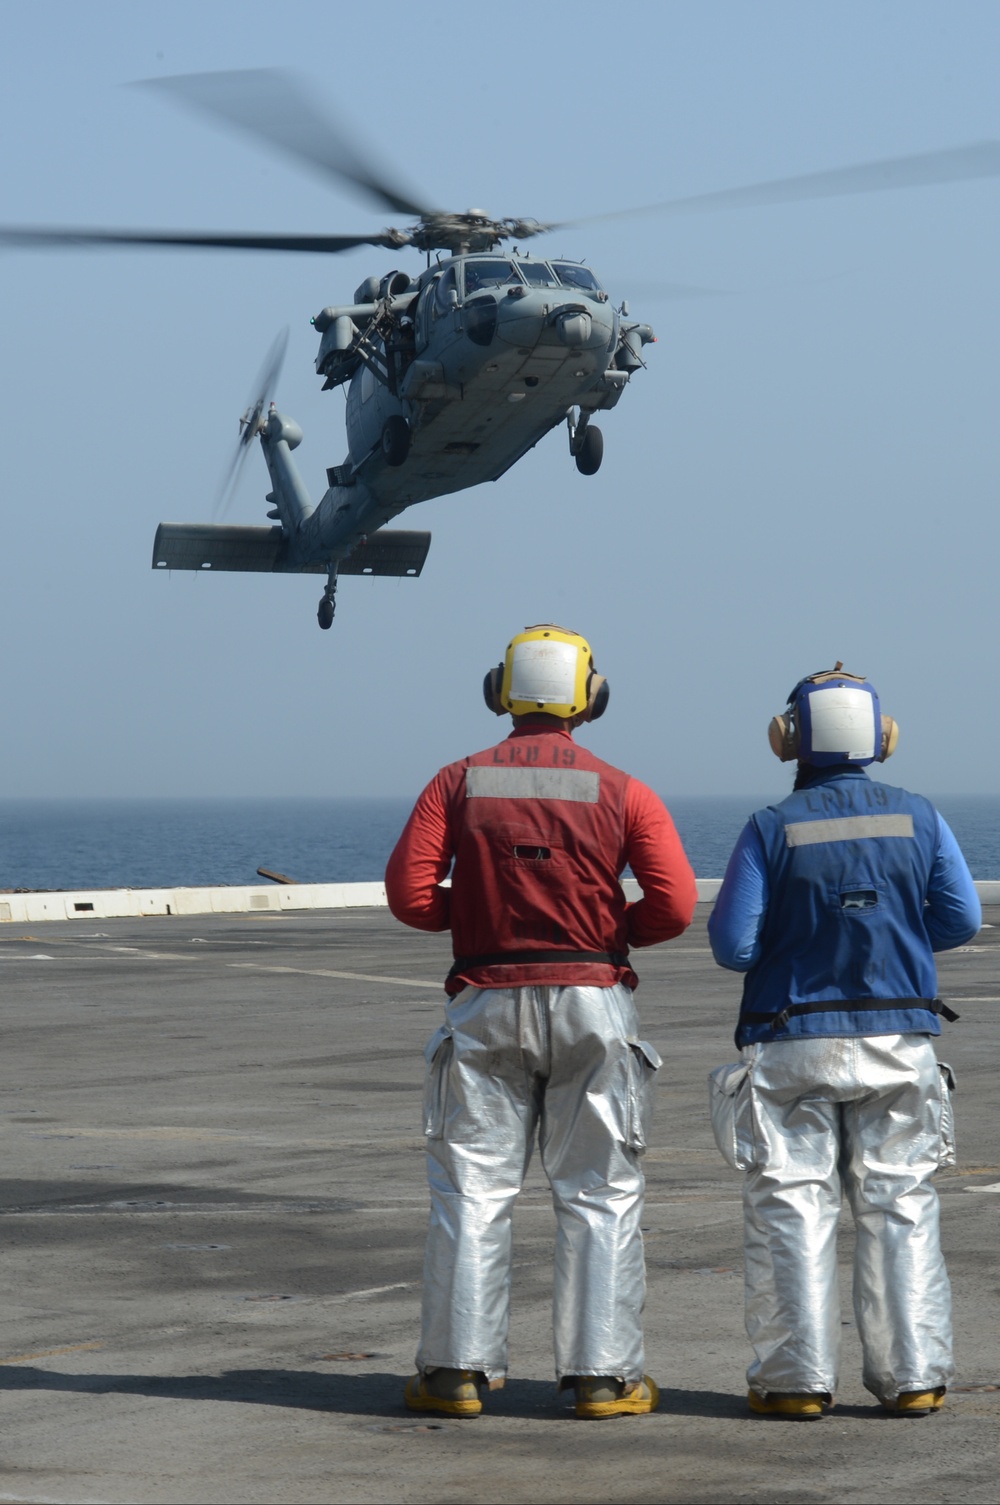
<point x="833" y="904"/>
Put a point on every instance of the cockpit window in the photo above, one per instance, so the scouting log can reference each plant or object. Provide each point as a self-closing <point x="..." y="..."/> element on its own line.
<point x="537" y="274"/>
<point x="488" y="273"/>
<point x="571" y="274"/>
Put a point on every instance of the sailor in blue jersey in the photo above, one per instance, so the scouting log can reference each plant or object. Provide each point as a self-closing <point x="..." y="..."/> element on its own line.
<point x="833" y="904"/>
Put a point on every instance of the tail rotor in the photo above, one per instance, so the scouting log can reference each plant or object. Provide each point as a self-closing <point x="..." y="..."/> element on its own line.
<point x="252" y="421"/>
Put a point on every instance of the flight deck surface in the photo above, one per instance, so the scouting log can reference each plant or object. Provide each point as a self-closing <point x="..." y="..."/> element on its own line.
<point x="213" y="1211"/>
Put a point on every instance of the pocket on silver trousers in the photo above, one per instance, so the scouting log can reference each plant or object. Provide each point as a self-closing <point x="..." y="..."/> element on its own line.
<point x="437" y="1055"/>
<point x="946" y="1154"/>
<point x="732" y="1114"/>
<point x="643" y="1064"/>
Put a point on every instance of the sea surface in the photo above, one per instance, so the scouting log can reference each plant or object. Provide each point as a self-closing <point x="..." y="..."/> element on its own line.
<point x="161" y="843"/>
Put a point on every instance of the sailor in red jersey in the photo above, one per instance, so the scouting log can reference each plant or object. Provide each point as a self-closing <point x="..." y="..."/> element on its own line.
<point x="541" y="1032"/>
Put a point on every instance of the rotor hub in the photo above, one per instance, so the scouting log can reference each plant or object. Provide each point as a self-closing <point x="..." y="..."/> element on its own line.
<point x="460" y="233"/>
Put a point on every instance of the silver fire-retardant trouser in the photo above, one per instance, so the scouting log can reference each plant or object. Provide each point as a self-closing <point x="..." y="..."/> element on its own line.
<point x="869" y="1115"/>
<point x="568" y="1062"/>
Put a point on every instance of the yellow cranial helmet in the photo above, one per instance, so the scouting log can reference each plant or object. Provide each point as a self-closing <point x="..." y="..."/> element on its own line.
<point x="547" y="669"/>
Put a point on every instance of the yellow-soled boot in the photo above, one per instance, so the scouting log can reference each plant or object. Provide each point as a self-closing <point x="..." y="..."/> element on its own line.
<point x="788" y="1405"/>
<point x="916" y="1402"/>
<point x="599" y="1395"/>
<point x="444" y="1392"/>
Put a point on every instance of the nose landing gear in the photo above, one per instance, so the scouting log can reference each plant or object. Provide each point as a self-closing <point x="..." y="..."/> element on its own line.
<point x="328" y="602"/>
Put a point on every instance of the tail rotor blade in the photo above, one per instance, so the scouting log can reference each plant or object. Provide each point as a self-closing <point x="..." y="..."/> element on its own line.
<point x="251" y="422"/>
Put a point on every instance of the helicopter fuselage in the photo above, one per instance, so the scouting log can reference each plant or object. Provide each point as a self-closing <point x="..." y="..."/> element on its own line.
<point x="450" y="379"/>
<point x="489" y="372"/>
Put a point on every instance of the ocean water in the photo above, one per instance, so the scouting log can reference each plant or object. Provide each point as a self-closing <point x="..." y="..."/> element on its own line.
<point x="141" y="843"/>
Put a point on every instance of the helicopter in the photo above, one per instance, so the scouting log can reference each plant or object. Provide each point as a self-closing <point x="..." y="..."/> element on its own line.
<point x="453" y="374"/>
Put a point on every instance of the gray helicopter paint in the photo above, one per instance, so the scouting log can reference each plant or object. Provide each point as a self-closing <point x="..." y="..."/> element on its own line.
<point x="503" y="397"/>
<point x="472" y="408"/>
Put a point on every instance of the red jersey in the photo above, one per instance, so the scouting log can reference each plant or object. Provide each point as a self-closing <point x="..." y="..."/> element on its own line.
<point x="540" y="832"/>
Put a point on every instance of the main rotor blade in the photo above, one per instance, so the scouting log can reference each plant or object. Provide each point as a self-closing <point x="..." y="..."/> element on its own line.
<point x="44" y="235"/>
<point x="274" y="105"/>
<point x="957" y="165"/>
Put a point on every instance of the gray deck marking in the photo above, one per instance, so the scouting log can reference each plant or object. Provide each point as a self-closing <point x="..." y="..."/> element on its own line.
<point x="403" y="982"/>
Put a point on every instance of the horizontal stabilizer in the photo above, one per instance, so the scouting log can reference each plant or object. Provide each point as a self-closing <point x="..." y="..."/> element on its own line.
<point x="212" y="546"/>
<point x="390" y="551"/>
<point x="207" y="546"/>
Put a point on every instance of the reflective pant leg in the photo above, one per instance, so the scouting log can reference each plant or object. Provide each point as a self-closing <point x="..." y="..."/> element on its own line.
<point x="475" y="1169"/>
<point x="791" y="1203"/>
<point x="596" y="1111"/>
<point x="902" y="1298"/>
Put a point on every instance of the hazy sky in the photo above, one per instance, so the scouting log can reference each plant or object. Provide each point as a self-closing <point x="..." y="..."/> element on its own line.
<point x="808" y="470"/>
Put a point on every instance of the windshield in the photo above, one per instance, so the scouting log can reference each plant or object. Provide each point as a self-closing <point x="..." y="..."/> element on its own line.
<point x="488" y="273"/>
<point x="571" y="274"/>
<point x="537" y="274"/>
<point x="445" y="284"/>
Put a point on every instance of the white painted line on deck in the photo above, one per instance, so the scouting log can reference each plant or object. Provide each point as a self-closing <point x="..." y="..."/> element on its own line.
<point x="400" y="1285"/>
<point x="249" y="1137"/>
<point x="400" y="982"/>
<point x="20" y="1499"/>
<point x="52" y="1353"/>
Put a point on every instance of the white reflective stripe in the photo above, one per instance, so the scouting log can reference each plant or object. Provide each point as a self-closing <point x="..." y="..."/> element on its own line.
<point x="493" y="783"/>
<point x="805" y="833"/>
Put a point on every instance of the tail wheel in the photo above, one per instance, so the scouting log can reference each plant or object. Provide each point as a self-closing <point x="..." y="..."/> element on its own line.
<point x="396" y="440"/>
<point x="591" y="451"/>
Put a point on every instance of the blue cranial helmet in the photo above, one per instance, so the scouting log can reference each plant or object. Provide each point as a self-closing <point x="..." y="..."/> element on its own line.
<point x="833" y="717"/>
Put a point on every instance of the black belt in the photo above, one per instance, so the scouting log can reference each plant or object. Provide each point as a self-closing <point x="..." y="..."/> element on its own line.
<point x="847" y="1005"/>
<point x="536" y="958"/>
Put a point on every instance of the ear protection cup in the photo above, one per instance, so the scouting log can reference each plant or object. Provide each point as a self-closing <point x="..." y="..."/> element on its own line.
<point x="491" y="690"/>
<point x="598" y="695"/>
<point x="784" y="739"/>
<point x="890" y="736"/>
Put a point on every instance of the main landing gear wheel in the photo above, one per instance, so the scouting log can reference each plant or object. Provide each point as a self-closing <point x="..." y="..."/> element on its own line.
<point x="328" y="601"/>
<point x="396" y="440"/>
<point x="591" y="451"/>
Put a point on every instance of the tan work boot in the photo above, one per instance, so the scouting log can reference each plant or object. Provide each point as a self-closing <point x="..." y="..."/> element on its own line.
<point x="444" y="1392"/>
<point x="789" y="1405"/>
<point x="599" y="1395"/>
<point x="916" y="1402"/>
